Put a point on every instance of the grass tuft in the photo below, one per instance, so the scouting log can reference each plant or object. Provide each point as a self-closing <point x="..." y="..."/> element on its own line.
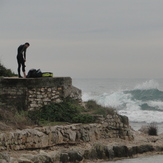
<point x="95" y="108"/>
<point x="6" y="72"/>
<point x="153" y="129"/>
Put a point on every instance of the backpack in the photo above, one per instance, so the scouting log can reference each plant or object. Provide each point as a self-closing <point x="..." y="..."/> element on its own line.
<point x="33" y="73"/>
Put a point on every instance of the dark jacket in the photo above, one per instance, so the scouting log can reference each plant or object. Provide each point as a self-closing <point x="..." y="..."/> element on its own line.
<point x="21" y="52"/>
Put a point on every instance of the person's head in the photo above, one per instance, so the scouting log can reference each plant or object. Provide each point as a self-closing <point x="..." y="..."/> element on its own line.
<point x="27" y="44"/>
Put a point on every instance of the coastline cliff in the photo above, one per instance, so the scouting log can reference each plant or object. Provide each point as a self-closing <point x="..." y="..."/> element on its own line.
<point x="107" y="138"/>
<point x="77" y="143"/>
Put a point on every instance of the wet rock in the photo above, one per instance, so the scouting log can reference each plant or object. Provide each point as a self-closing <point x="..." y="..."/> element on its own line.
<point x="75" y="156"/>
<point x="109" y="152"/>
<point x="145" y="148"/>
<point x="100" y="150"/>
<point x="132" y="150"/>
<point x="120" y="151"/>
<point x="42" y="159"/>
<point x="71" y="156"/>
<point x="64" y="157"/>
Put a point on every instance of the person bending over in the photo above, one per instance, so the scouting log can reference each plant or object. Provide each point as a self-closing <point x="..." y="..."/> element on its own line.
<point x="21" y="58"/>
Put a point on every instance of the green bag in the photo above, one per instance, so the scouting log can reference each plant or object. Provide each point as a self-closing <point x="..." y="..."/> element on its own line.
<point x="47" y="74"/>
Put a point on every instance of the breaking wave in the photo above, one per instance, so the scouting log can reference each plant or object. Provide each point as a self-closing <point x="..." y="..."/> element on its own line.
<point x="144" y="103"/>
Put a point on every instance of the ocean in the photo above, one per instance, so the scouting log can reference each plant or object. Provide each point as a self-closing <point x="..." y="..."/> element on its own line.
<point x="141" y="100"/>
<point x="149" y="159"/>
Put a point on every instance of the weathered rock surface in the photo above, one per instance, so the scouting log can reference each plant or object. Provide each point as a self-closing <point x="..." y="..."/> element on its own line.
<point x="43" y="137"/>
<point x="106" y="149"/>
<point x="89" y="148"/>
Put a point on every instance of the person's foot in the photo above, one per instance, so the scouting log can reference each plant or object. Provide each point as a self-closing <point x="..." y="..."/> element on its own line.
<point x="24" y="74"/>
<point x="20" y="77"/>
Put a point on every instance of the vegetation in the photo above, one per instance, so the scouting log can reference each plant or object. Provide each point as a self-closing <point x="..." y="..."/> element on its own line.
<point x="152" y="129"/>
<point x="6" y="72"/>
<point x="14" y="120"/>
<point x="69" y="111"/>
<point x="94" y="108"/>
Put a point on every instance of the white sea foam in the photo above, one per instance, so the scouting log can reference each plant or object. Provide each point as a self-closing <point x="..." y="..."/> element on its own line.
<point x="127" y="103"/>
<point x="143" y="116"/>
<point x="86" y="96"/>
<point x="118" y="100"/>
<point x="156" y="104"/>
<point x="151" y="84"/>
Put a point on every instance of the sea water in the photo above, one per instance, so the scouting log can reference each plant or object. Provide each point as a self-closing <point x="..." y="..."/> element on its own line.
<point x="150" y="159"/>
<point x="141" y="100"/>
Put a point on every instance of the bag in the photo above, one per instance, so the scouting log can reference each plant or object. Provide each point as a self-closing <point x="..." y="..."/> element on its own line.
<point x="33" y="73"/>
<point x="47" y="74"/>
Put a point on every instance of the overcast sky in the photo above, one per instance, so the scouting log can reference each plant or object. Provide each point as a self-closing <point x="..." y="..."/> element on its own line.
<point x="85" y="38"/>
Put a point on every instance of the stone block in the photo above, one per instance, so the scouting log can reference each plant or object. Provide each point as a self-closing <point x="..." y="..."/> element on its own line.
<point x="39" y="96"/>
<point x="32" y="89"/>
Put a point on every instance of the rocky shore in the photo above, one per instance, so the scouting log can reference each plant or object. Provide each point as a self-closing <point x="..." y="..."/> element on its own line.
<point x="109" y="139"/>
<point x="105" y="149"/>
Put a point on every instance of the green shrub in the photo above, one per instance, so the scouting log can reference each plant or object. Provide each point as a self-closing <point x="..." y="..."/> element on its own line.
<point x="152" y="129"/>
<point x="95" y="108"/>
<point x="83" y="118"/>
<point x="22" y="118"/>
<point x="67" y="111"/>
<point x="15" y="119"/>
<point x="6" y="72"/>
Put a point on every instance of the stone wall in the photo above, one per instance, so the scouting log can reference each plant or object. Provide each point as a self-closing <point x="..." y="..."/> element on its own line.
<point x="43" y="137"/>
<point x="32" y="93"/>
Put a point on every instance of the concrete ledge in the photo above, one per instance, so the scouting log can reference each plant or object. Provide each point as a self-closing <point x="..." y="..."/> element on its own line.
<point x="35" y="82"/>
<point x="33" y="93"/>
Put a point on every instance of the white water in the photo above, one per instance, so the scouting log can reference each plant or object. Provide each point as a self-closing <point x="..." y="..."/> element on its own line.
<point x="111" y="93"/>
<point x="149" y="84"/>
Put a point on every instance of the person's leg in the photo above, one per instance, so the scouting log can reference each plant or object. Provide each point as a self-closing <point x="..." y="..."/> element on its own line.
<point x="23" y="69"/>
<point x="24" y="74"/>
<point x="19" y="66"/>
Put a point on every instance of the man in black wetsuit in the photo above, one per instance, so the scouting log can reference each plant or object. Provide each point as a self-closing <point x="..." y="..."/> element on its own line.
<point x="21" y="58"/>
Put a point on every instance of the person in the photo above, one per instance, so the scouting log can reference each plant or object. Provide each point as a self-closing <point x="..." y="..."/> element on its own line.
<point x="21" y="58"/>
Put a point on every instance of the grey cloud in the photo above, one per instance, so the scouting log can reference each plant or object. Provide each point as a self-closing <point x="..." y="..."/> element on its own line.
<point x="85" y="38"/>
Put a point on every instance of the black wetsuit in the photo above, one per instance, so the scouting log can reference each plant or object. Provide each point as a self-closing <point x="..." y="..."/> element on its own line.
<point x="21" y="57"/>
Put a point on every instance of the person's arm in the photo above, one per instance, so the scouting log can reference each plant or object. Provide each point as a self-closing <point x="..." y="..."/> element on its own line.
<point x="23" y="51"/>
<point x="24" y="54"/>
